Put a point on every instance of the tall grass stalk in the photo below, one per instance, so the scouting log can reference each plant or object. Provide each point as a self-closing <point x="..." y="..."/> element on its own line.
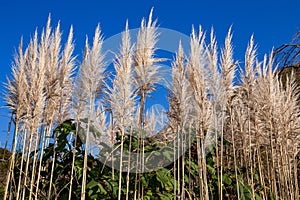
<point x="197" y="74"/>
<point x="16" y="87"/>
<point x="121" y="96"/>
<point x="91" y="76"/>
<point x="146" y="75"/>
<point x="227" y="66"/>
<point x="177" y="101"/>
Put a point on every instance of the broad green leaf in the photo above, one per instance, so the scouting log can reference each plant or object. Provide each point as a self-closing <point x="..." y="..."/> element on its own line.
<point x="91" y="184"/>
<point x="226" y="179"/>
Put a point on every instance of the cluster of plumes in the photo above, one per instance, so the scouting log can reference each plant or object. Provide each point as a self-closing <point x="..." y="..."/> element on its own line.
<point x="252" y="109"/>
<point x="201" y="86"/>
<point x="41" y="87"/>
<point x="265" y="120"/>
<point x="39" y="95"/>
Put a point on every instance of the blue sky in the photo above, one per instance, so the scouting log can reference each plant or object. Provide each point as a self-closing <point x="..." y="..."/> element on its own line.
<point x="272" y="23"/>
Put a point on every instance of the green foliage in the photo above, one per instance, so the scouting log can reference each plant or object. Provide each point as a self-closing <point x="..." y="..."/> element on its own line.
<point x="4" y="165"/>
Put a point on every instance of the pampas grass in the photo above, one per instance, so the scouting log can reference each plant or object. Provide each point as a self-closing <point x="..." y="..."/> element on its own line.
<point x="33" y="97"/>
<point x="146" y="75"/>
<point x="253" y="110"/>
<point x="121" y="98"/>
<point x="146" y="69"/>
<point x="17" y="89"/>
<point x="197" y="77"/>
<point x="90" y="79"/>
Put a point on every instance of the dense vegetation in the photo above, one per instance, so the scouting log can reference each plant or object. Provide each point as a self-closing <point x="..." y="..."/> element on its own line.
<point x="233" y="129"/>
<point x="5" y="155"/>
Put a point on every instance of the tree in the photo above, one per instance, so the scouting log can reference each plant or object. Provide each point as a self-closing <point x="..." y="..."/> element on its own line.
<point x="288" y="55"/>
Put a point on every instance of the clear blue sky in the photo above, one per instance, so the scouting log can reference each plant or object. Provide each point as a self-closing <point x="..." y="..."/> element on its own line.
<point x="272" y="23"/>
